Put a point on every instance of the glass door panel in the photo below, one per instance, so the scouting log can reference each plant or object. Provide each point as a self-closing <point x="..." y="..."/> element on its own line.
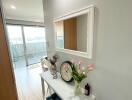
<point x="35" y="43"/>
<point x="16" y="45"/>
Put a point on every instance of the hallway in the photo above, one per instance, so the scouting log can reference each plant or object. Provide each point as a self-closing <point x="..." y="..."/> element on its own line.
<point x="29" y="83"/>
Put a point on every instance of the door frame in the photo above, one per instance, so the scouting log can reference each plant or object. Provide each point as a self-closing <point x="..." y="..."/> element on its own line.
<point x="9" y="91"/>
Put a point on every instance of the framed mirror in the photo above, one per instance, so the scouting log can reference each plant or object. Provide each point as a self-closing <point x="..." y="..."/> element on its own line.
<point x="74" y="32"/>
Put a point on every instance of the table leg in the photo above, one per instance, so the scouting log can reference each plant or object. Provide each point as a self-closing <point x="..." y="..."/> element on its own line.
<point x="48" y="89"/>
<point x="43" y="88"/>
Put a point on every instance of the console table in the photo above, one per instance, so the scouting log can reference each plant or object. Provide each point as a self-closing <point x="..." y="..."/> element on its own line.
<point x="64" y="90"/>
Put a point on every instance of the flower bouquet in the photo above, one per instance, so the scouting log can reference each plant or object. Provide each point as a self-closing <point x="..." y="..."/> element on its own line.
<point x="79" y="73"/>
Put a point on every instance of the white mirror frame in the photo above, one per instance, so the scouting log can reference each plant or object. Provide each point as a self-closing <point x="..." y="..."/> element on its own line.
<point x="90" y="31"/>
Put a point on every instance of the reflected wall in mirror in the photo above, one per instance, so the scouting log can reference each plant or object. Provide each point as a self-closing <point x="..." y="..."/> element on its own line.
<point x="74" y="32"/>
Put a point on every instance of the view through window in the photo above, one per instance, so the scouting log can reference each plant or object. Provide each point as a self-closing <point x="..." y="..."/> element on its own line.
<point x="27" y="44"/>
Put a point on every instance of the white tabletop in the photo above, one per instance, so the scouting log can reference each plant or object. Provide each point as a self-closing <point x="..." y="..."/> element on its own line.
<point x="63" y="89"/>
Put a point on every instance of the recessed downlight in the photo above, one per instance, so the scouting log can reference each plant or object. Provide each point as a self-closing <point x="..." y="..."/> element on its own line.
<point x="13" y="7"/>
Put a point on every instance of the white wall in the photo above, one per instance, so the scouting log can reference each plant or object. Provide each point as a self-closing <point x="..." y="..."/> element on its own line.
<point x="82" y="33"/>
<point x="112" y="75"/>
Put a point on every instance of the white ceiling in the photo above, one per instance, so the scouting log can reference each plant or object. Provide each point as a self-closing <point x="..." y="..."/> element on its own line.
<point x="27" y="10"/>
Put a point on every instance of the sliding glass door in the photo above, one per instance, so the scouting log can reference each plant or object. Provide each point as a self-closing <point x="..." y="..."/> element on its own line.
<point x="27" y="44"/>
<point x="35" y="43"/>
<point x="16" y="44"/>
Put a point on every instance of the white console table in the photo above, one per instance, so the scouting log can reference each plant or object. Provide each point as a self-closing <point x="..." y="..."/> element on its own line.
<point x="64" y="90"/>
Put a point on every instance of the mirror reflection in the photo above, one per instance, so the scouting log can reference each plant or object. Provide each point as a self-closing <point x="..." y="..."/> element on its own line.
<point x="72" y="33"/>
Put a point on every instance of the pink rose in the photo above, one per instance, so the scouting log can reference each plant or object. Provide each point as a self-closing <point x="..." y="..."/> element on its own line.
<point x="79" y="64"/>
<point x="90" y="67"/>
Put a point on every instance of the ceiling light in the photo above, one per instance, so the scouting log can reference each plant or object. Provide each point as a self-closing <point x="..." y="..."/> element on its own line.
<point x="13" y="7"/>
